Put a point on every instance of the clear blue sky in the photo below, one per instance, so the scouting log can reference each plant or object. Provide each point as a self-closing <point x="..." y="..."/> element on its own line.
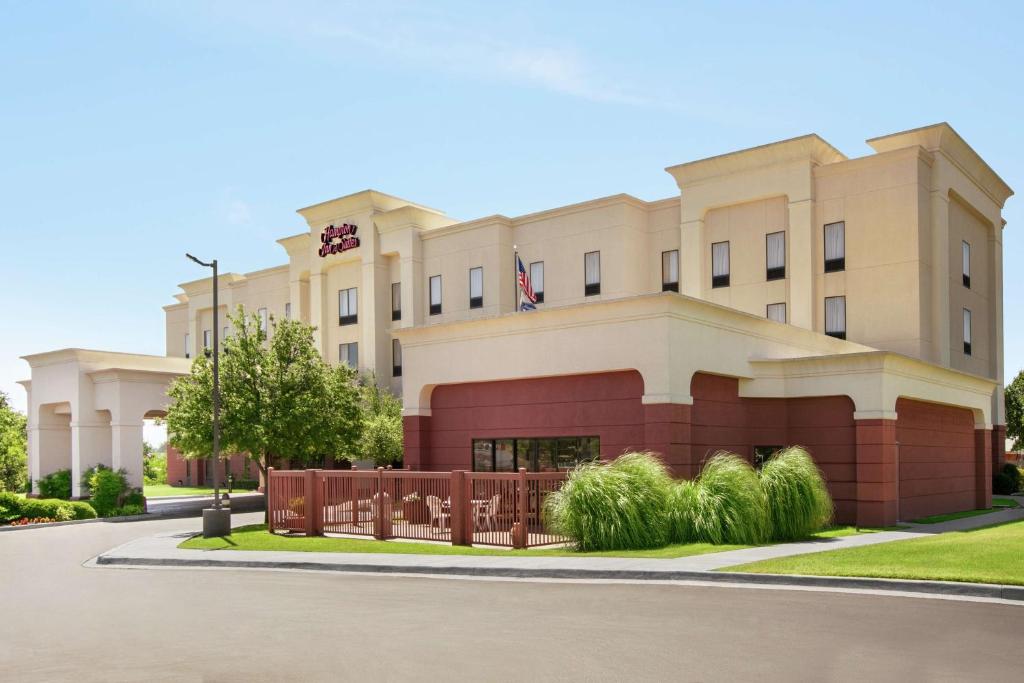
<point x="131" y="132"/>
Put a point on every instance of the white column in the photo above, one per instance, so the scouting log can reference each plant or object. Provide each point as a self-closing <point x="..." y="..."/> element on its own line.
<point x="996" y="324"/>
<point x="940" y="328"/>
<point x="317" y="315"/>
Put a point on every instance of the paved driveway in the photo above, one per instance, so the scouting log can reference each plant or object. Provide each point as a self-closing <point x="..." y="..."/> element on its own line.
<point x="62" y="621"/>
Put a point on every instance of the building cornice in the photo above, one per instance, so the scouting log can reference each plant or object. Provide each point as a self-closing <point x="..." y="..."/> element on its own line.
<point x="110" y="360"/>
<point x="942" y="138"/>
<point x="366" y="200"/>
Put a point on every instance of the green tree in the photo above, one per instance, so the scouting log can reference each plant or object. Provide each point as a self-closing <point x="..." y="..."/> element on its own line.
<point x="13" y="447"/>
<point x="382" y="424"/>
<point x="1015" y="411"/>
<point x="279" y="399"/>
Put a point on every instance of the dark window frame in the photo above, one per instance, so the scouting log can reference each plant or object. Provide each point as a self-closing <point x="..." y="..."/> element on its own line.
<point x="778" y="272"/>
<point x="351" y="319"/>
<point x="838" y="334"/>
<point x="516" y="463"/>
<point x="718" y="281"/>
<point x="667" y="285"/>
<point x="476" y="301"/>
<point x="592" y="289"/>
<point x="345" y="360"/>
<point x="396" y="367"/>
<point x="538" y="293"/>
<point x="967" y="323"/>
<point x="785" y="313"/>
<point x="967" y="274"/>
<point x="435" y="309"/>
<point x="396" y="313"/>
<point x="834" y="265"/>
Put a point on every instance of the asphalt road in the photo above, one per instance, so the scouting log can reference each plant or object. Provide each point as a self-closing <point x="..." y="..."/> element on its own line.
<point x="62" y="621"/>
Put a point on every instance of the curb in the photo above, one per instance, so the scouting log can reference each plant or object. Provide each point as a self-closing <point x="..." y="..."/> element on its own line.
<point x="70" y="522"/>
<point x="976" y="590"/>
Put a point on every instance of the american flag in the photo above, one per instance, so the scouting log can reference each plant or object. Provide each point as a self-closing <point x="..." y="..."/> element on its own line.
<point x="527" y="298"/>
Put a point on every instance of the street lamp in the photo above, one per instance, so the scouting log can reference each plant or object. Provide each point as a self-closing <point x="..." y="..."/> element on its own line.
<point x="216" y="520"/>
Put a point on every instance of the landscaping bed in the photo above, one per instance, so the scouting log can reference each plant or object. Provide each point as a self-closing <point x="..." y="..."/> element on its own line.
<point x="991" y="554"/>
<point x="255" y="537"/>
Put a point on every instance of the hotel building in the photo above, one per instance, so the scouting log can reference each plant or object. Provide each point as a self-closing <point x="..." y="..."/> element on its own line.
<point x="786" y="295"/>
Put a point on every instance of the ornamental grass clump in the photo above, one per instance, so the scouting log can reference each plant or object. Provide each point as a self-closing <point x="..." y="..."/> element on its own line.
<point x="725" y="505"/>
<point x="621" y="505"/>
<point x="798" y="500"/>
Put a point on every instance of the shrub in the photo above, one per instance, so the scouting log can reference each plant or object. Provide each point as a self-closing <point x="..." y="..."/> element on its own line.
<point x="620" y="505"/>
<point x="53" y="508"/>
<point x="82" y="509"/>
<point x="10" y="507"/>
<point x="127" y="511"/>
<point x="1003" y="484"/>
<point x="727" y="504"/>
<point x="56" y="485"/>
<point x="107" y="488"/>
<point x="1010" y="470"/>
<point x="798" y="502"/>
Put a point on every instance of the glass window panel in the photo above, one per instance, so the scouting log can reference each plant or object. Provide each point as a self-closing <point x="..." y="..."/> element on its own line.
<point x="835" y="315"/>
<point x="967" y="325"/>
<point x="288" y="310"/>
<point x="483" y="456"/>
<point x="719" y="259"/>
<point x="435" y="290"/>
<point x="188" y="351"/>
<point x="537" y="276"/>
<point x="966" y="258"/>
<point x="396" y="296"/>
<point x="476" y="282"/>
<point x="546" y="455"/>
<point x="264" y="320"/>
<point x="776" y="246"/>
<point x="593" y="267"/>
<point x="504" y="456"/>
<point x="835" y="241"/>
<point x="777" y="312"/>
<point x="670" y="267"/>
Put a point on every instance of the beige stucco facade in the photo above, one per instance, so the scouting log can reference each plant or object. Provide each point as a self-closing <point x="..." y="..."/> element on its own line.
<point x="906" y="211"/>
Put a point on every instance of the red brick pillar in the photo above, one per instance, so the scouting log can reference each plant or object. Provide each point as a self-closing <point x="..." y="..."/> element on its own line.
<point x="416" y="433"/>
<point x="667" y="431"/>
<point x="998" y="447"/>
<point x="983" y="458"/>
<point x="877" y="473"/>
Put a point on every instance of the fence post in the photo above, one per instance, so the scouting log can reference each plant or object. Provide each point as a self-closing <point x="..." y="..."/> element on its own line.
<point x="308" y="511"/>
<point x="378" y="502"/>
<point x="270" y="501"/>
<point x="521" y="529"/>
<point x="462" y="531"/>
<point x="317" y="498"/>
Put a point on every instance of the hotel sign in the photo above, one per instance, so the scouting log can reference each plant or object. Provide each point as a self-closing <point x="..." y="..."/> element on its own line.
<point x="338" y="239"/>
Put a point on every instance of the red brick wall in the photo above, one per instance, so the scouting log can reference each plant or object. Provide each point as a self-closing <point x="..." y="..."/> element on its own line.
<point x="176" y="469"/>
<point x="936" y="459"/>
<point x="825" y="426"/>
<point x="605" y="405"/>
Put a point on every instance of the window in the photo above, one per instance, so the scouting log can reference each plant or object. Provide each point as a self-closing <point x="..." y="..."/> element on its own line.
<point x="188" y="470"/>
<point x="776" y="312"/>
<point x="775" y="255"/>
<point x="763" y="454"/>
<point x="835" y="247"/>
<point x="348" y="306"/>
<point x="349" y="354"/>
<point x="966" y="249"/>
<point x="264" y="321"/>
<point x="396" y="300"/>
<point x="396" y="358"/>
<point x="435" y="294"/>
<point x="188" y="352"/>
<point x="224" y="333"/>
<point x="545" y="454"/>
<point x="670" y="271"/>
<point x="720" y="264"/>
<point x="476" y="287"/>
<point x="967" y="331"/>
<point x="592" y="273"/>
<point x="537" y="280"/>
<point x="207" y="339"/>
<point x="288" y="310"/>
<point x="835" y="316"/>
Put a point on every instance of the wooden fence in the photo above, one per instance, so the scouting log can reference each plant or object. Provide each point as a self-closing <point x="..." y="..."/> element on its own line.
<point x="462" y="508"/>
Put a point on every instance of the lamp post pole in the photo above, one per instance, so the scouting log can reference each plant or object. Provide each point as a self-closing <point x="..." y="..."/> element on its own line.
<point x="217" y="523"/>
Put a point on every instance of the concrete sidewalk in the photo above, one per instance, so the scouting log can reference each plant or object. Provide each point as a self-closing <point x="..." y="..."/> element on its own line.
<point x="162" y="551"/>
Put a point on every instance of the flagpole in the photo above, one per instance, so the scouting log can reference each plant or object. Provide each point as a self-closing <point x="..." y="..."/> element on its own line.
<point x="515" y="275"/>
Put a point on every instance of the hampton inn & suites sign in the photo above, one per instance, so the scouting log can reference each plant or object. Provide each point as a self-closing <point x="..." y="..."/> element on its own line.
<point x="336" y="239"/>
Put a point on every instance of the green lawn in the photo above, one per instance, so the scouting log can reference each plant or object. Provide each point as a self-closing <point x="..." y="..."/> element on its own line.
<point x="998" y="503"/>
<point x="987" y="555"/>
<point x="255" y="537"/>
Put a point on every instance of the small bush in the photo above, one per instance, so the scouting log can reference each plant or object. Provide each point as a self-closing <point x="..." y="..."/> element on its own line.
<point x="1003" y="484"/>
<point x="82" y="509"/>
<point x="10" y="507"/>
<point x="53" y="508"/>
<point x="1010" y="470"/>
<point x="727" y="505"/>
<point x="107" y="489"/>
<point x="797" y="499"/>
<point x="620" y="505"/>
<point x="127" y="511"/>
<point x="56" y="485"/>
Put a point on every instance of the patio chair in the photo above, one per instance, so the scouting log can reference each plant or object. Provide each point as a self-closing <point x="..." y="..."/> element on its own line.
<point x="437" y="514"/>
<point x="489" y="513"/>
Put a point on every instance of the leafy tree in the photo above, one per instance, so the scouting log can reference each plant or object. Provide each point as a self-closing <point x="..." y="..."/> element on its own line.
<point x="279" y="399"/>
<point x="382" y="424"/>
<point x="13" y="447"/>
<point x="1015" y="410"/>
